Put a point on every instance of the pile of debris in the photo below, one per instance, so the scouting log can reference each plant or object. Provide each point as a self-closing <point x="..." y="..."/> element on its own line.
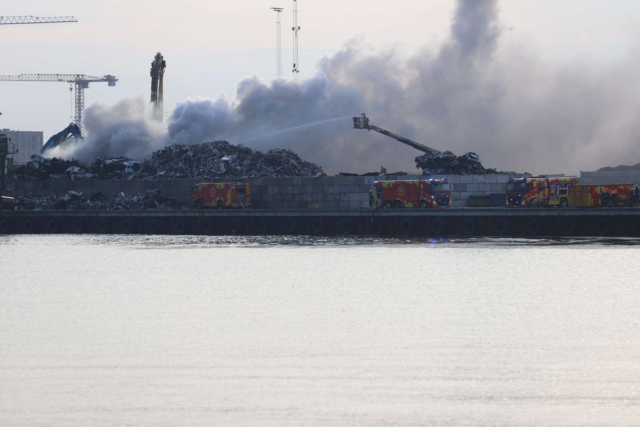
<point x="221" y="159"/>
<point x="40" y="168"/>
<point x="116" y="168"/>
<point x="218" y="159"/>
<point x="75" y="201"/>
<point x="447" y="163"/>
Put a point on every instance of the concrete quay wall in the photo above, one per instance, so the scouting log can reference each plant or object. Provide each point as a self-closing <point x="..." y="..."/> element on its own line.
<point x="271" y="193"/>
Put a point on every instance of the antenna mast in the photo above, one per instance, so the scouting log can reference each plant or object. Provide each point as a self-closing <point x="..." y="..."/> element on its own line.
<point x="295" y="29"/>
<point x="278" y="11"/>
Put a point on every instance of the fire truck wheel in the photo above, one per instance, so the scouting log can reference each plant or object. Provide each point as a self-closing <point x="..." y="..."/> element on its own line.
<point x="568" y="227"/>
<point x="102" y="226"/>
<point x="5" y="227"/>
<point x="262" y="226"/>
<point x="397" y="204"/>
<point x="289" y="226"/>
<point x="220" y="205"/>
<point x="77" y="226"/>
<point x="424" y="204"/>
<point x="197" y="204"/>
<point x="469" y="227"/>
<point x="534" y="227"/>
<point x="564" y="202"/>
<point x="377" y="226"/>
<point x="438" y="226"/>
<point x="128" y="226"/>
<point x="345" y="227"/>
<point x="501" y="227"/>
<point x="235" y="226"/>
<point x="52" y="226"/>
<point x="317" y="226"/>
<point x="153" y="226"/>
<point x="407" y="226"/>
<point x="602" y="226"/>
<point x="386" y="204"/>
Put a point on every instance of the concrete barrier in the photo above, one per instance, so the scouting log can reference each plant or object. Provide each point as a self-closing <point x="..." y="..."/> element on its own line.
<point x="272" y="193"/>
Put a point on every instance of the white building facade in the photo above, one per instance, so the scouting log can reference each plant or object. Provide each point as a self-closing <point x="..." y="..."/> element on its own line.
<point x="26" y="143"/>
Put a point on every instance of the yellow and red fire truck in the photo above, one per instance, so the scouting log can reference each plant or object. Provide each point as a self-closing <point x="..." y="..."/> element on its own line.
<point x="432" y="193"/>
<point x="540" y="191"/>
<point x="611" y="195"/>
<point x="220" y="196"/>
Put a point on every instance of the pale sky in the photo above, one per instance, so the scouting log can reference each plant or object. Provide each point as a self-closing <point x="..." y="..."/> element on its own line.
<point x="210" y="45"/>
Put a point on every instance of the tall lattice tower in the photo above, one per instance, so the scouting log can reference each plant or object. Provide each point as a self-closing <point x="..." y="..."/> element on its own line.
<point x="278" y="11"/>
<point x="296" y="28"/>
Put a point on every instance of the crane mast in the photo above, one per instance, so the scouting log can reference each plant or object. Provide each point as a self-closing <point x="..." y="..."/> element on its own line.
<point x="362" y="122"/>
<point x="21" y="20"/>
<point x="157" y="86"/>
<point x="79" y="81"/>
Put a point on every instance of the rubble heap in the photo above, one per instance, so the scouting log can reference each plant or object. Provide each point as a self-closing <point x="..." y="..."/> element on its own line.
<point x="75" y="201"/>
<point x="116" y="167"/>
<point x="221" y="159"/>
<point x="447" y="163"/>
<point x="40" y="168"/>
<point x="218" y="159"/>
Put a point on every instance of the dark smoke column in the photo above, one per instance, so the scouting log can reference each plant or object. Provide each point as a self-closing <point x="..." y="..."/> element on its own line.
<point x="157" y="96"/>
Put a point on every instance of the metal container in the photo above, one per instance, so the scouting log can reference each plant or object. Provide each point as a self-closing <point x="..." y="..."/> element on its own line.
<point x="7" y="203"/>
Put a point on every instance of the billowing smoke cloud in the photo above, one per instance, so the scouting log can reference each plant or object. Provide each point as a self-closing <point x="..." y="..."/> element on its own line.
<point x="123" y="129"/>
<point x="515" y="110"/>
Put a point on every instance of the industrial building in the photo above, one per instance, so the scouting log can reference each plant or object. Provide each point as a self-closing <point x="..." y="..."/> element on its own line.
<point x="25" y="143"/>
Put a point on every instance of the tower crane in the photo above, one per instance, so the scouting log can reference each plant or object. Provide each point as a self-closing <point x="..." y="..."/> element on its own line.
<point x="19" y="20"/>
<point x="79" y="81"/>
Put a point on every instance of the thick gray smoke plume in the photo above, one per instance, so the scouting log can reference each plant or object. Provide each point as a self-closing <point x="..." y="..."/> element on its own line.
<point x="468" y="94"/>
<point x="123" y="129"/>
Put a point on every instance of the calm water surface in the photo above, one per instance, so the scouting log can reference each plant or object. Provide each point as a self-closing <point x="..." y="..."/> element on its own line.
<point x="174" y="331"/>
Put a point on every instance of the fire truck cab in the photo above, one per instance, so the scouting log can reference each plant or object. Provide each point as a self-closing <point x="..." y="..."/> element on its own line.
<point x="432" y="193"/>
<point x="220" y="196"/>
<point x="540" y="191"/>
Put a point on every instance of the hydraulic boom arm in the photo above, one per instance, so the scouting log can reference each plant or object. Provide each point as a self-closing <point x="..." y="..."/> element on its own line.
<point x="362" y="122"/>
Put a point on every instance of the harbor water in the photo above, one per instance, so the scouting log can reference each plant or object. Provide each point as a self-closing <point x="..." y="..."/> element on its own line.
<point x="203" y="331"/>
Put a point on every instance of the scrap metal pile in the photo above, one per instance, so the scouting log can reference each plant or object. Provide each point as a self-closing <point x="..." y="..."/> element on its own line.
<point x="40" y="168"/>
<point x="75" y="201"/>
<point x="218" y="159"/>
<point x="447" y="163"/>
<point x="221" y="159"/>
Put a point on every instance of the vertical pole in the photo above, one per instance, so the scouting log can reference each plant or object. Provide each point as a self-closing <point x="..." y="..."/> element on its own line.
<point x="279" y="42"/>
<point x="160" y="112"/>
<point x="296" y="29"/>
<point x="278" y="11"/>
<point x="80" y="86"/>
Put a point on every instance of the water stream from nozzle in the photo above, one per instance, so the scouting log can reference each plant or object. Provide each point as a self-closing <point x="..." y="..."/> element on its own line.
<point x="296" y="128"/>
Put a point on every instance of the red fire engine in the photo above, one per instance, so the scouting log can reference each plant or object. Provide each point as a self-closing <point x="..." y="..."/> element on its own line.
<point x="228" y="195"/>
<point x="433" y="193"/>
